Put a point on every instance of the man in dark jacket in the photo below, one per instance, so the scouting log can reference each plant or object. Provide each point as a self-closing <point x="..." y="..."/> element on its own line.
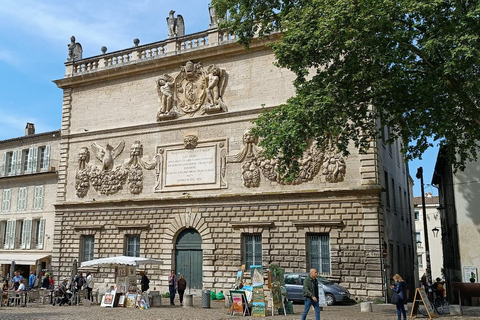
<point x="310" y="293"/>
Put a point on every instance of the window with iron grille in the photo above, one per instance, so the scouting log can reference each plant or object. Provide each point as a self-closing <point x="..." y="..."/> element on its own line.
<point x="318" y="252"/>
<point x="132" y="248"/>
<point x="88" y="244"/>
<point x="252" y="250"/>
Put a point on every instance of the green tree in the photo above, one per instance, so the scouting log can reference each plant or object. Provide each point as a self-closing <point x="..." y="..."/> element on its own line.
<point x="411" y="65"/>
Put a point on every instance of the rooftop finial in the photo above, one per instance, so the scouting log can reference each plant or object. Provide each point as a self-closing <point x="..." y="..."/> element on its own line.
<point x="74" y="50"/>
<point x="176" y="26"/>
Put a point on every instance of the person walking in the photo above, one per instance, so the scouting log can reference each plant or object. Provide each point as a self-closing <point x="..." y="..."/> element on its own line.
<point x="181" y="286"/>
<point x="400" y="290"/>
<point x="32" y="280"/>
<point x="310" y="293"/>
<point x="89" y="285"/>
<point x="172" y="285"/>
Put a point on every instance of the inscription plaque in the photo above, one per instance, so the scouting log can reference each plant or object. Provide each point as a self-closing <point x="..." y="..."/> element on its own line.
<point x="190" y="166"/>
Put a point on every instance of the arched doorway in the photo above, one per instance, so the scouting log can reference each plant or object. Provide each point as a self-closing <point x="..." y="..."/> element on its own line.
<point x="189" y="257"/>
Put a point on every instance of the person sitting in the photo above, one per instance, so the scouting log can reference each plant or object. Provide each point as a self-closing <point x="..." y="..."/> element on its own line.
<point x="21" y="290"/>
<point x="5" y="291"/>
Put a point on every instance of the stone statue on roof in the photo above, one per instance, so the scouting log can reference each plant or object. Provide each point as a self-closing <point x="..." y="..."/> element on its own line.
<point x="176" y="26"/>
<point x="74" y="50"/>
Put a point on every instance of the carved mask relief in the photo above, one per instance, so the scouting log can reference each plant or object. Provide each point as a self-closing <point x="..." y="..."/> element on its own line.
<point x="194" y="90"/>
<point x="108" y="178"/>
<point x="330" y="162"/>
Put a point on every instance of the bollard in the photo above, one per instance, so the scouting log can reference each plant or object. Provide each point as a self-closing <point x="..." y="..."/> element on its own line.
<point x="188" y="301"/>
<point x="455" y="310"/>
<point x="366" y="307"/>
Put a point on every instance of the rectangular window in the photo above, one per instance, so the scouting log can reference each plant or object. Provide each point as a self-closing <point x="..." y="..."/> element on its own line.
<point x="417" y="215"/>
<point x="252" y="250"/>
<point x="25" y="158"/>
<point x="418" y="238"/>
<point x="88" y="243"/>
<point x="387" y="189"/>
<point x="10" y="164"/>
<point x="22" y="199"/>
<point x="132" y="246"/>
<point x="38" y="198"/>
<point x="6" y="200"/>
<point x="44" y="155"/>
<point x="318" y="252"/>
<point x="38" y="233"/>
<point x="394" y="199"/>
<point x="3" y="233"/>
<point x="420" y="261"/>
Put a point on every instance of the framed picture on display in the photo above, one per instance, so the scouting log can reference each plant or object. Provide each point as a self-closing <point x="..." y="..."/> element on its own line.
<point x="131" y="300"/>
<point x="121" y="301"/>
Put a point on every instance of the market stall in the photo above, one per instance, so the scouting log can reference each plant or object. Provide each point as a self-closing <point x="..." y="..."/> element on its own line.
<point x="125" y="293"/>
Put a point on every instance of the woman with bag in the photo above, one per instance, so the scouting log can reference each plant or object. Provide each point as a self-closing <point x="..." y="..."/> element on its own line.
<point x="399" y="296"/>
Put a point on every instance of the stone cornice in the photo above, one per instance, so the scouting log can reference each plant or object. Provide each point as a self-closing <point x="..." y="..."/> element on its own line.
<point x="236" y="225"/>
<point x="309" y="223"/>
<point x="87" y="227"/>
<point x="133" y="226"/>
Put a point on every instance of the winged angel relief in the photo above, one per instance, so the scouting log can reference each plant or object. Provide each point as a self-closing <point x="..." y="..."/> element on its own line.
<point x="193" y="90"/>
<point x="329" y="161"/>
<point x="107" y="178"/>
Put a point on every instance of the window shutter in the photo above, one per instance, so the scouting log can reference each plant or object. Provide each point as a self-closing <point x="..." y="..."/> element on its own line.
<point x="22" y="199"/>
<point x="46" y="158"/>
<point x="41" y="234"/>
<point x="13" y="165"/>
<point x="34" y="159"/>
<point x="30" y="160"/>
<point x="4" y="164"/>
<point x="19" y="162"/>
<point x="11" y="237"/>
<point x="38" y="199"/>
<point x="6" y="200"/>
<point x="7" y="236"/>
<point x="27" y="231"/>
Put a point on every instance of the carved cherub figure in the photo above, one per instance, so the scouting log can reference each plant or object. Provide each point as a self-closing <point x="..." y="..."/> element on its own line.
<point x="108" y="154"/>
<point x="165" y="91"/>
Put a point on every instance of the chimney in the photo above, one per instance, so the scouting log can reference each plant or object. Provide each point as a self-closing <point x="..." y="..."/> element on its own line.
<point x="29" y="129"/>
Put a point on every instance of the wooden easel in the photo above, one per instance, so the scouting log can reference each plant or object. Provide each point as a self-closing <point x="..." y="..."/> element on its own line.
<point x="421" y="297"/>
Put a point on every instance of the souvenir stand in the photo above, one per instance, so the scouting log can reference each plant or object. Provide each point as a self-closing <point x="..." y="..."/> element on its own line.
<point x="251" y="299"/>
<point x="125" y="293"/>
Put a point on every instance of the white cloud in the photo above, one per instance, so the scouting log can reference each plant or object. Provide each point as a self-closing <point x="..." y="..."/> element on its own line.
<point x="9" y="57"/>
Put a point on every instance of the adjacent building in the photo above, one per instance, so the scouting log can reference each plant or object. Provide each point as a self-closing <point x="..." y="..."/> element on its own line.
<point x="458" y="207"/>
<point x="28" y="187"/>
<point x="434" y="237"/>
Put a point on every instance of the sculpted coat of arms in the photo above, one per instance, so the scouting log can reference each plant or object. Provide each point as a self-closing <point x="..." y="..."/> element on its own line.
<point x="194" y="90"/>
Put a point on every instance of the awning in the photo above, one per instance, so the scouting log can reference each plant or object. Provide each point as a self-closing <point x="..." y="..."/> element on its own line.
<point x="22" y="258"/>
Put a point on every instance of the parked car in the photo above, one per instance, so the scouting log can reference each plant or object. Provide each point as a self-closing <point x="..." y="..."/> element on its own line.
<point x="334" y="293"/>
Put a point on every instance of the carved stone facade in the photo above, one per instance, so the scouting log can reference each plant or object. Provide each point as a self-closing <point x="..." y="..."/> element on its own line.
<point x="205" y="174"/>
<point x="194" y="90"/>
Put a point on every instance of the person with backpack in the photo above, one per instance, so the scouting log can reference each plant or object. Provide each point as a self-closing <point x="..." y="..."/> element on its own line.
<point x="437" y="288"/>
<point x="78" y="283"/>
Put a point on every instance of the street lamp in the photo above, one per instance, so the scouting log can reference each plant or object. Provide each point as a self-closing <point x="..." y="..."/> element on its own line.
<point x="419" y="175"/>
<point x="435" y="232"/>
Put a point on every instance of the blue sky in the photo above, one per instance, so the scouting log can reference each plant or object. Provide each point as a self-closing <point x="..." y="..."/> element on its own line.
<point x="33" y="48"/>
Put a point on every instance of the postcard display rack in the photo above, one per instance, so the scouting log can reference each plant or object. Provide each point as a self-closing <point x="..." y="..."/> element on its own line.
<point x="125" y="294"/>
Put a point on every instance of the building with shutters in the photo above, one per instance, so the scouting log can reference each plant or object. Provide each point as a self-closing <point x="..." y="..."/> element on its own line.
<point x="28" y="184"/>
<point x="157" y="161"/>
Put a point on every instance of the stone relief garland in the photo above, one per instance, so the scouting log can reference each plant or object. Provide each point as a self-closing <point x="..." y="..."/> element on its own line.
<point x="194" y="90"/>
<point x="330" y="163"/>
<point x="108" y="179"/>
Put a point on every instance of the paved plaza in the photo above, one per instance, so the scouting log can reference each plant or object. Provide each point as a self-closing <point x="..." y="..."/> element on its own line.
<point x="217" y="311"/>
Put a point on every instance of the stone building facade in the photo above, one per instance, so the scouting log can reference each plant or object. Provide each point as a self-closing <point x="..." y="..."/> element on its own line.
<point x="28" y="185"/>
<point x="157" y="161"/>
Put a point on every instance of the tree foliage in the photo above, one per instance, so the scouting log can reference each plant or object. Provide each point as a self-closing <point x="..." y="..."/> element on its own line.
<point x="411" y="65"/>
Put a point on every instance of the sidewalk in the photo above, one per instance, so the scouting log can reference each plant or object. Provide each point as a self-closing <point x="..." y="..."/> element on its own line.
<point x="217" y="311"/>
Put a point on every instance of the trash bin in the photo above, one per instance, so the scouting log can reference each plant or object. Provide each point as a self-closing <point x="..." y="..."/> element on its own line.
<point x="205" y="298"/>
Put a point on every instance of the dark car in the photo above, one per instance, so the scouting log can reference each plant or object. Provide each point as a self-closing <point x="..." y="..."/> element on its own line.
<point x="333" y="292"/>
